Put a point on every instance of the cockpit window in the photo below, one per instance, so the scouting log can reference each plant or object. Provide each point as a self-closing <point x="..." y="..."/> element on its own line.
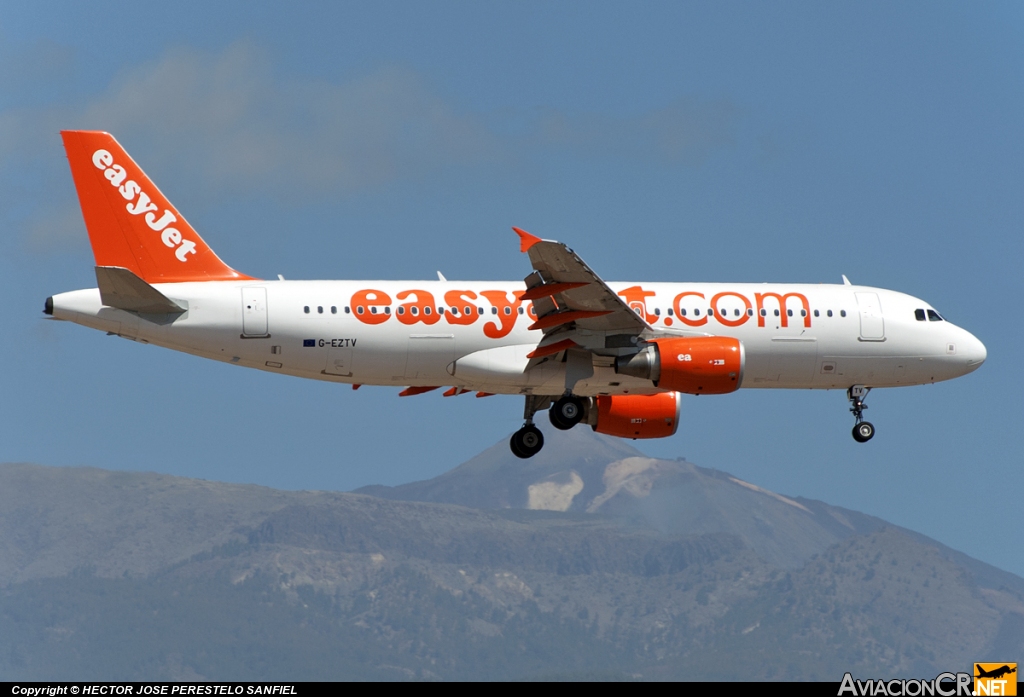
<point x="934" y="316"/>
<point x="919" y="315"/>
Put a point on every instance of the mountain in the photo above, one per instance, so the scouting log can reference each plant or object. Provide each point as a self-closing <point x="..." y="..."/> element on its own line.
<point x="582" y="471"/>
<point x="590" y="561"/>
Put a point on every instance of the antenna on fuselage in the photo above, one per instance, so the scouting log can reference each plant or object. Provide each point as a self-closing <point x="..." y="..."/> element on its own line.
<point x="846" y="281"/>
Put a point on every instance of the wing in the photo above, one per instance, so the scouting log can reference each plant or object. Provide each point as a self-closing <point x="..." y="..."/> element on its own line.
<point x="574" y="306"/>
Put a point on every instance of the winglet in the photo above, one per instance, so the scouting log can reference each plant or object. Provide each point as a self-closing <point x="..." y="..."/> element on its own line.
<point x="526" y="240"/>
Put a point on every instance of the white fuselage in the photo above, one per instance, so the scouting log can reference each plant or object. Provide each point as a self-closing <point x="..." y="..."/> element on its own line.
<point x="366" y="332"/>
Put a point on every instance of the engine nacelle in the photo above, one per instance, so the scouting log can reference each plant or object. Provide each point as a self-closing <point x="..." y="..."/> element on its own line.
<point x="695" y="365"/>
<point x="638" y="416"/>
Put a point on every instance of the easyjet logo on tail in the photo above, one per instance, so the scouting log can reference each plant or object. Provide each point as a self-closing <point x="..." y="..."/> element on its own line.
<point x="140" y="203"/>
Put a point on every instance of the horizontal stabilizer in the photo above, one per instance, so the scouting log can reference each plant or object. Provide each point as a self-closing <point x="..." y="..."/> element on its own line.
<point x="124" y="290"/>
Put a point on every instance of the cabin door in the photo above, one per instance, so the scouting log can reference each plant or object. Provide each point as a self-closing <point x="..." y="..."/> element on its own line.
<point x="254" y="312"/>
<point x="872" y="326"/>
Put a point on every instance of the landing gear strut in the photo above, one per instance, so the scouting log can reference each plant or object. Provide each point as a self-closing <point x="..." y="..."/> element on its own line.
<point x="527" y="441"/>
<point x="863" y="431"/>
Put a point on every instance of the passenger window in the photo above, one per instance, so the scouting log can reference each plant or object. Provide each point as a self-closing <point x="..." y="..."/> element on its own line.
<point x="467" y="310"/>
<point x="816" y="314"/>
<point x="829" y="313"/>
<point x="803" y="313"/>
<point x="669" y="311"/>
<point x="508" y="310"/>
<point x="494" y="311"/>
<point x="750" y="312"/>
<point x="348" y="310"/>
<point x="455" y="310"/>
<point x="842" y="313"/>
<point x="919" y="315"/>
<point x="320" y="309"/>
<point x="657" y="312"/>
<point x="776" y="313"/>
<point x="414" y="310"/>
<point x="682" y="312"/>
<point x="521" y="310"/>
<point x="373" y="309"/>
<point x="426" y="310"/>
<point x="736" y="312"/>
<point x="306" y="309"/>
<point x="764" y="312"/>
<point x="933" y="316"/>
<point x="387" y="310"/>
<point x="334" y="309"/>
<point x="359" y="310"/>
<point x="479" y="310"/>
<point x="401" y="310"/>
<point x="696" y="312"/>
<point x="789" y="313"/>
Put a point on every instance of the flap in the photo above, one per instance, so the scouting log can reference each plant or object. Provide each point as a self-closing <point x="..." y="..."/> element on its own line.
<point x="579" y="294"/>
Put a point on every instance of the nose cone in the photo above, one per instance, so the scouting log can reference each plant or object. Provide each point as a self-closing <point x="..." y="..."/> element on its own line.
<point x="974" y="351"/>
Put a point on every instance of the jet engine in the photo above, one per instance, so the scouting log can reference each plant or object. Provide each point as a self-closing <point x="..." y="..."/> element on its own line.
<point x="695" y="365"/>
<point x="637" y="416"/>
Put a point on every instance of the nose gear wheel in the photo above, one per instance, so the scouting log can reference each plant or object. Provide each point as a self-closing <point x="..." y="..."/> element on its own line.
<point x="863" y="432"/>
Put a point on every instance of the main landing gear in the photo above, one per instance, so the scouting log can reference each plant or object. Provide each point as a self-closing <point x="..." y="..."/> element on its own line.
<point x="566" y="412"/>
<point x="527" y="441"/>
<point x="863" y="431"/>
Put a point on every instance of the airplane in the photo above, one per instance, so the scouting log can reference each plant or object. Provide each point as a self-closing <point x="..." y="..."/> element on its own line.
<point x="995" y="673"/>
<point x="615" y="356"/>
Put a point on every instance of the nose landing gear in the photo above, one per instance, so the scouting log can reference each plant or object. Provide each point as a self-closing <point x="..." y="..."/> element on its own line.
<point x="863" y="431"/>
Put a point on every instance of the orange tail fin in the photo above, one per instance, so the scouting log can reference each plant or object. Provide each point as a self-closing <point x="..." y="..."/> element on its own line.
<point x="130" y="223"/>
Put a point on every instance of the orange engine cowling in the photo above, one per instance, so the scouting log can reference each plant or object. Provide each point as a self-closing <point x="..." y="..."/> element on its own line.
<point x="638" y="416"/>
<point x="695" y="365"/>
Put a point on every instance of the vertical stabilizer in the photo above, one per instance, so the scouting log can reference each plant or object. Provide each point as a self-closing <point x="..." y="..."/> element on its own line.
<point x="131" y="224"/>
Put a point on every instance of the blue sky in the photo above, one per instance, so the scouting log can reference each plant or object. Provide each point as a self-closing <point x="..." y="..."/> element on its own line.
<point x="662" y="141"/>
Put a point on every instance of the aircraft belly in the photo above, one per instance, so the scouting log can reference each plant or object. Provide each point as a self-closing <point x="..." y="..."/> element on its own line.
<point x="379" y="362"/>
<point x="757" y="371"/>
<point x="428" y="357"/>
<point x="843" y="371"/>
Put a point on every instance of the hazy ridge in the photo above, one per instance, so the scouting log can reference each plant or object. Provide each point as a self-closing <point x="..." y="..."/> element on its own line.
<point x="650" y="569"/>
